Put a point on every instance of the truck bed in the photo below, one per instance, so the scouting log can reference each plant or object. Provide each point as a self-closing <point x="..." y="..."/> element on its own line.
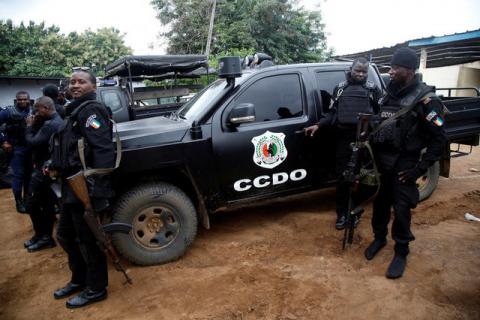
<point x="463" y="119"/>
<point x="154" y="110"/>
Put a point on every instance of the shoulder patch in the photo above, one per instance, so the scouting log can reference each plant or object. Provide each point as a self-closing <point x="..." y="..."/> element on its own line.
<point x="431" y="115"/>
<point x="369" y="84"/>
<point x="342" y="84"/>
<point x="435" y="118"/>
<point x="438" y="121"/>
<point x="92" y="122"/>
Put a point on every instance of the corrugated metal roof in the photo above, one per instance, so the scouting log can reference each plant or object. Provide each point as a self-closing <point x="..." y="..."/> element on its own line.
<point x="445" y="39"/>
<point x="441" y="51"/>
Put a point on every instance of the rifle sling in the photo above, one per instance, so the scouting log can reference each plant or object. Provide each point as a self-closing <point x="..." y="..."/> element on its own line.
<point x="118" y="158"/>
<point x="400" y="113"/>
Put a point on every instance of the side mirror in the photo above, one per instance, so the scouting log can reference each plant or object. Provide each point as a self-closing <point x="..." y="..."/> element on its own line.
<point x="242" y="113"/>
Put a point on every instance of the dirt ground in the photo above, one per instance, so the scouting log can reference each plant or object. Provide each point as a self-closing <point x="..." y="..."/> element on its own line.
<point x="276" y="260"/>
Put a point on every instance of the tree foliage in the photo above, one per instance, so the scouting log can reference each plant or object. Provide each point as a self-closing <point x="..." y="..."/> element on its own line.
<point x="37" y="50"/>
<point x="277" y="27"/>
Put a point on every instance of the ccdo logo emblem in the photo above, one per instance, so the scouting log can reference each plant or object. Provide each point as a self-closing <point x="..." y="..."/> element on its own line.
<point x="269" y="149"/>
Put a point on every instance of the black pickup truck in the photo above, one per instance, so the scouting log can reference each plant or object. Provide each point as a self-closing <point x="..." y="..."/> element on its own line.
<point x="238" y="141"/>
<point x="127" y="102"/>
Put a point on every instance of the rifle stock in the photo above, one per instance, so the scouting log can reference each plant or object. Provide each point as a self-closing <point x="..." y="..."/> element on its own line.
<point x="79" y="187"/>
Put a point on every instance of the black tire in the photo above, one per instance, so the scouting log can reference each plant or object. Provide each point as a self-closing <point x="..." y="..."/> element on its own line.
<point x="428" y="182"/>
<point x="164" y="224"/>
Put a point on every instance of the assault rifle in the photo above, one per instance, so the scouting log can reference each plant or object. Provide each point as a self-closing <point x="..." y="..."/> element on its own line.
<point x="352" y="176"/>
<point x="79" y="186"/>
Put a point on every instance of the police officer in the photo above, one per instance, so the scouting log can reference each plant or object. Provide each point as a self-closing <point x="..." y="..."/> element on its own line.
<point x="398" y="151"/>
<point x="50" y="90"/>
<point x="4" y="161"/>
<point x="41" y="199"/>
<point x="14" y="118"/>
<point x="350" y="97"/>
<point x="87" y="119"/>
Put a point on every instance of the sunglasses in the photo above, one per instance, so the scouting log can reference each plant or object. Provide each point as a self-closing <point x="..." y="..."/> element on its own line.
<point x="80" y="68"/>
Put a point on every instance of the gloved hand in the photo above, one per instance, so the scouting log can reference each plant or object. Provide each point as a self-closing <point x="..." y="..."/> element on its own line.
<point x="411" y="175"/>
<point x="310" y="131"/>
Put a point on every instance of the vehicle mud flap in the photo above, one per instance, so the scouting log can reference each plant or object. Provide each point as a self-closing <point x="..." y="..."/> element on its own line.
<point x="204" y="217"/>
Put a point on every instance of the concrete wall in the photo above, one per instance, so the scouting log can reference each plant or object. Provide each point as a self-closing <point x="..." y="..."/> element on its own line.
<point x="469" y="76"/>
<point x="464" y="75"/>
<point x="9" y="87"/>
<point x="442" y="77"/>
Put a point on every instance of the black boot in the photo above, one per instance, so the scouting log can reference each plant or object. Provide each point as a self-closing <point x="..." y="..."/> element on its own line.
<point x="340" y="223"/>
<point x="31" y="241"/>
<point x="20" y="204"/>
<point x="69" y="289"/>
<point x="86" y="297"/>
<point x="397" y="266"/>
<point x="374" y="247"/>
<point x="44" y="242"/>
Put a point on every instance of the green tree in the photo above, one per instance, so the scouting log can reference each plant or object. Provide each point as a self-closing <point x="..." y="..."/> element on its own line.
<point x="277" y="27"/>
<point x="37" y="50"/>
<point x="188" y="21"/>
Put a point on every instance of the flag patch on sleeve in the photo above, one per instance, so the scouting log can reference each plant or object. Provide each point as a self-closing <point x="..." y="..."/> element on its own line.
<point x="92" y="122"/>
<point x="431" y="115"/>
<point x="438" y="121"/>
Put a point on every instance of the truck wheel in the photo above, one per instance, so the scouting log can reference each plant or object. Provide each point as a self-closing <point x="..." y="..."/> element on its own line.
<point x="428" y="182"/>
<point x="164" y="224"/>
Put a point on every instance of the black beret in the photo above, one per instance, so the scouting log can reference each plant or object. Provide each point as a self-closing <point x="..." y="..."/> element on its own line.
<point x="51" y="91"/>
<point x="405" y="57"/>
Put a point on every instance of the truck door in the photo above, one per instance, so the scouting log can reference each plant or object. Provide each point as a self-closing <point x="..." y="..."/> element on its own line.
<point x="266" y="156"/>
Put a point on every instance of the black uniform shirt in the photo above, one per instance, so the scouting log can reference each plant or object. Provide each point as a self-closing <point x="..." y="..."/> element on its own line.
<point x="430" y="131"/>
<point x="39" y="138"/>
<point x="92" y="123"/>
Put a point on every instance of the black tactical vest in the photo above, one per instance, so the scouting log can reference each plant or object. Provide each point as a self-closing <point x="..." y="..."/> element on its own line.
<point x="403" y="133"/>
<point x="64" y="143"/>
<point x="15" y="126"/>
<point x="353" y="99"/>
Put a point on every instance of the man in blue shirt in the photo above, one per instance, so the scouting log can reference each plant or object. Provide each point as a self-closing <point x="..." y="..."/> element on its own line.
<point x="14" y="119"/>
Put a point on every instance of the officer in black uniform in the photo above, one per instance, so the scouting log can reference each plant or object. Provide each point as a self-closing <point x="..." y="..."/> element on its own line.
<point x="398" y="151"/>
<point x="50" y="90"/>
<point x="350" y="97"/>
<point x="90" y="120"/>
<point x="41" y="200"/>
<point x="14" y="144"/>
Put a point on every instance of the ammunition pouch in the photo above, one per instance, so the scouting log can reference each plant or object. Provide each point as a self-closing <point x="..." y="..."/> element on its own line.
<point x="369" y="177"/>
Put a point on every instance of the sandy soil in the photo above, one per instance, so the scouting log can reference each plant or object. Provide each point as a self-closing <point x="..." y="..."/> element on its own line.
<point x="279" y="260"/>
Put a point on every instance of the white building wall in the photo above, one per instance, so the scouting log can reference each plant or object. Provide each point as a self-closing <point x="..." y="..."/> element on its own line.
<point x="458" y="76"/>
<point x="442" y="77"/>
<point x="9" y="87"/>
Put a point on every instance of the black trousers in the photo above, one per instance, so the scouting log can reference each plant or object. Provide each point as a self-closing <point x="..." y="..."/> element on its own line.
<point x="86" y="261"/>
<point x="41" y="204"/>
<point x="402" y="197"/>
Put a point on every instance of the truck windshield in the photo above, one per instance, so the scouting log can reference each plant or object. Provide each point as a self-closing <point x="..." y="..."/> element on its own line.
<point x="200" y="101"/>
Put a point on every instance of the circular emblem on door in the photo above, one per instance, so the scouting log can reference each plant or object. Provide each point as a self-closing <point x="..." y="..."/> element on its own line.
<point x="269" y="149"/>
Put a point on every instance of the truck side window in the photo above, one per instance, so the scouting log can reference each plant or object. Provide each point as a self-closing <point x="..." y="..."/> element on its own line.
<point x="327" y="80"/>
<point x="274" y="98"/>
<point x="112" y="100"/>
